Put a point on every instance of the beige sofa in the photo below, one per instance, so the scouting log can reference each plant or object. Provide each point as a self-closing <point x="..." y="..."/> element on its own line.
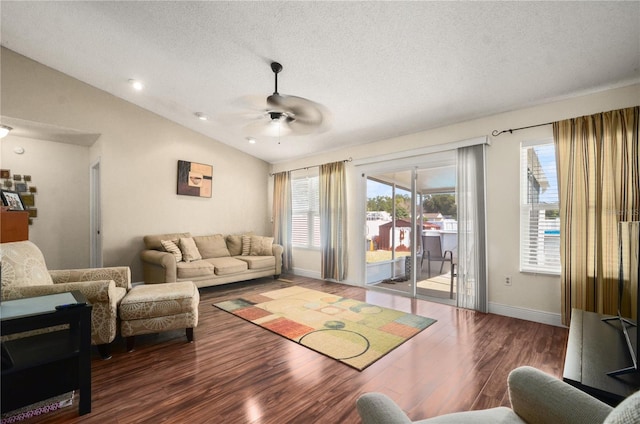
<point x="209" y="260"/>
<point x="25" y="274"/>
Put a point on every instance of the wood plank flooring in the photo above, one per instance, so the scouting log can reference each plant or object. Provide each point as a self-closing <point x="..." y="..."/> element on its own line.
<point x="237" y="372"/>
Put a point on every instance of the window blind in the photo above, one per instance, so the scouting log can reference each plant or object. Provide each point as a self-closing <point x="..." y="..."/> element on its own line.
<point x="539" y="209"/>
<point x="305" y="212"/>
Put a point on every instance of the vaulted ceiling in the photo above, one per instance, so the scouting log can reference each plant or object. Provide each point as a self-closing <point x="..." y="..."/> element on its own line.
<point x="382" y="69"/>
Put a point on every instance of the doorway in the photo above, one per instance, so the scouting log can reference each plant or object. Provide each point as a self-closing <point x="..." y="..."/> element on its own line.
<point x="405" y="209"/>
<point x="95" y="221"/>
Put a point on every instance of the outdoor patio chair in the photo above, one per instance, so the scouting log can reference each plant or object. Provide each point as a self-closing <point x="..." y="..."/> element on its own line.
<point x="432" y="251"/>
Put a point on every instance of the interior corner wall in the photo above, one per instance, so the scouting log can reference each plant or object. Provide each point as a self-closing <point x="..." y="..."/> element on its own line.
<point x="138" y="152"/>
<point x="531" y="296"/>
<point x="58" y="172"/>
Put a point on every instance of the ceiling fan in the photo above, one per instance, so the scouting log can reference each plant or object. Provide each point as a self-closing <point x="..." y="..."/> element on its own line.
<point x="289" y="115"/>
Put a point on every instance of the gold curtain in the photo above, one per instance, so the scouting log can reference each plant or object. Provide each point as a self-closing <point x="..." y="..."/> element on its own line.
<point x="333" y="221"/>
<point x="599" y="186"/>
<point x="282" y="223"/>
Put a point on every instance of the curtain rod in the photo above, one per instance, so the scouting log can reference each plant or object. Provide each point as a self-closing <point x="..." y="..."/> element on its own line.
<point x="495" y="133"/>
<point x="311" y="166"/>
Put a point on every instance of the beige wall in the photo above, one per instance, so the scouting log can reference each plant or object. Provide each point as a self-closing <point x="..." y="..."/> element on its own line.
<point x="60" y="174"/>
<point x="534" y="297"/>
<point x="138" y="153"/>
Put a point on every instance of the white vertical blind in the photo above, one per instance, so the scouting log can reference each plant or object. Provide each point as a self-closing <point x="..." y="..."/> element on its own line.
<point x="305" y="211"/>
<point x="472" y="240"/>
<point x="539" y="209"/>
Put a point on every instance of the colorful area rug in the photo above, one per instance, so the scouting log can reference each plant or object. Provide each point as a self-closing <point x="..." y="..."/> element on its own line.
<point x="350" y="331"/>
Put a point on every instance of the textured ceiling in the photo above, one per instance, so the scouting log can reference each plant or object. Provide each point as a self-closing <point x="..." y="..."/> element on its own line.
<point x="383" y="69"/>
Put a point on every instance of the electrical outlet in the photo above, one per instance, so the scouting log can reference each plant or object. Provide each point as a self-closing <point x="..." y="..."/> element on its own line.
<point x="507" y="280"/>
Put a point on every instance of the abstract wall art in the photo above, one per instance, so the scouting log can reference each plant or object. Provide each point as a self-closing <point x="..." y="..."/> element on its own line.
<point x="194" y="179"/>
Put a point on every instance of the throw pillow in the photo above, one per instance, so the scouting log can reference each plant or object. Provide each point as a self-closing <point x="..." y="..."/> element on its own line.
<point x="189" y="250"/>
<point x="261" y="246"/>
<point x="234" y="244"/>
<point x="246" y="244"/>
<point x="211" y="246"/>
<point x="171" y="247"/>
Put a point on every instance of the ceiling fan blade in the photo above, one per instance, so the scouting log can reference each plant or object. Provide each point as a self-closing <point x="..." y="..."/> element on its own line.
<point x="308" y="116"/>
<point x="285" y="115"/>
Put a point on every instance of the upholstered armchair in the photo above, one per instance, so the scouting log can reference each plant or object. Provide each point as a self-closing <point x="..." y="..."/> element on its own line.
<point x="25" y="274"/>
<point x="535" y="397"/>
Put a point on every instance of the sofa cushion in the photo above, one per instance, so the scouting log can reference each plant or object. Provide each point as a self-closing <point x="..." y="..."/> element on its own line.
<point x="212" y="246"/>
<point x="226" y="266"/>
<point x="261" y="246"/>
<point x="171" y="247"/>
<point x="153" y="242"/>
<point x="259" y="262"/>
<point x="234" y="245"/>
<point x="189" y="250"/>
<point x="628" y="411"/>
<point x="194" y="269"/>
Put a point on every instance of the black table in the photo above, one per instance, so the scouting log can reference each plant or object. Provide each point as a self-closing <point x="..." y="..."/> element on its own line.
<point x="50" y="364"/>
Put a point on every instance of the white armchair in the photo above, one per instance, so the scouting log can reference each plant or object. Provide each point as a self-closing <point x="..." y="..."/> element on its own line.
<point x="25" y="274"/>
<point x="536" y="397"/>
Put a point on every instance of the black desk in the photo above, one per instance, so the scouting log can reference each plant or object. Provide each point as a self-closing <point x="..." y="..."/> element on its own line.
<point x="48" y="364"/>
<point x="595" y="348"/>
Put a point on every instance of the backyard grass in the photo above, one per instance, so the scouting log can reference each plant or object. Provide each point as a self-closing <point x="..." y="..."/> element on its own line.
<point x="383" y="255"/>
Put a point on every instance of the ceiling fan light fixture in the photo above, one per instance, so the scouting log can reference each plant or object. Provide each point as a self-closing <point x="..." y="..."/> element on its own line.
<point x="201" y="116"/>
<point x="251" y="140"/>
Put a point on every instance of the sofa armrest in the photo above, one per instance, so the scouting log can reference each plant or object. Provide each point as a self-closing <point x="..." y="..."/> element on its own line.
<point x="277" y="250"/>
<point x="540" y="398"/>
<point x="94" y="291"/>
<point x="121" y="275"/>
<point x="158" y="267"/>
<point x="377" y="408"/>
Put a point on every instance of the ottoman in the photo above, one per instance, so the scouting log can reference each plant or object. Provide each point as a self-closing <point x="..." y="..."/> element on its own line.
<point x="152" y="308"/>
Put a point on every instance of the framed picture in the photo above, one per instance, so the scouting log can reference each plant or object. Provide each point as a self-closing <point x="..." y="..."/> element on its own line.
<point x="33" y="189"/>
<point x="33" y="212"/>
<point x="194" y="179"/>
<point x="21" y="187"/>
<point x="17" y="177"/>
<point x="27" y="178"/>
<point x="28" y="200"/>
<point x="8" y="183"/>
<point x="12" y="200"/>
<point x="5" y="173"/>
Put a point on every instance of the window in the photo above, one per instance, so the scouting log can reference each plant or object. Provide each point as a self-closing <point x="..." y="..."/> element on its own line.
<point x="539" y="210"/>
<point x="305" y="211"/>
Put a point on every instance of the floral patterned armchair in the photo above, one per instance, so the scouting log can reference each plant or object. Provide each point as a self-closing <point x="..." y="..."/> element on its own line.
<point x="25" y="274"/>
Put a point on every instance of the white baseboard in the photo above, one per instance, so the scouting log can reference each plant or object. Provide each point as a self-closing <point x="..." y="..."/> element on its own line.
<point x="307" y="273"/>
<point x="526" y="314"/>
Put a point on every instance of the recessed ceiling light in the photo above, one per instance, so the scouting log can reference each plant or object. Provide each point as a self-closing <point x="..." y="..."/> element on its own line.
<point x="137" y="85"/>
<point x="201" y="116"/>
<point x="251" y="140"/>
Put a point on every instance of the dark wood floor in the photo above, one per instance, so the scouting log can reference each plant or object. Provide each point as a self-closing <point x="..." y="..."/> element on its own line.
<point x="237" y="372"/>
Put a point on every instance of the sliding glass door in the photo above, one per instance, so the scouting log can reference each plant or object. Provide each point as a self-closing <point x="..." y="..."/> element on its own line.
<point x="411" y="228"/>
